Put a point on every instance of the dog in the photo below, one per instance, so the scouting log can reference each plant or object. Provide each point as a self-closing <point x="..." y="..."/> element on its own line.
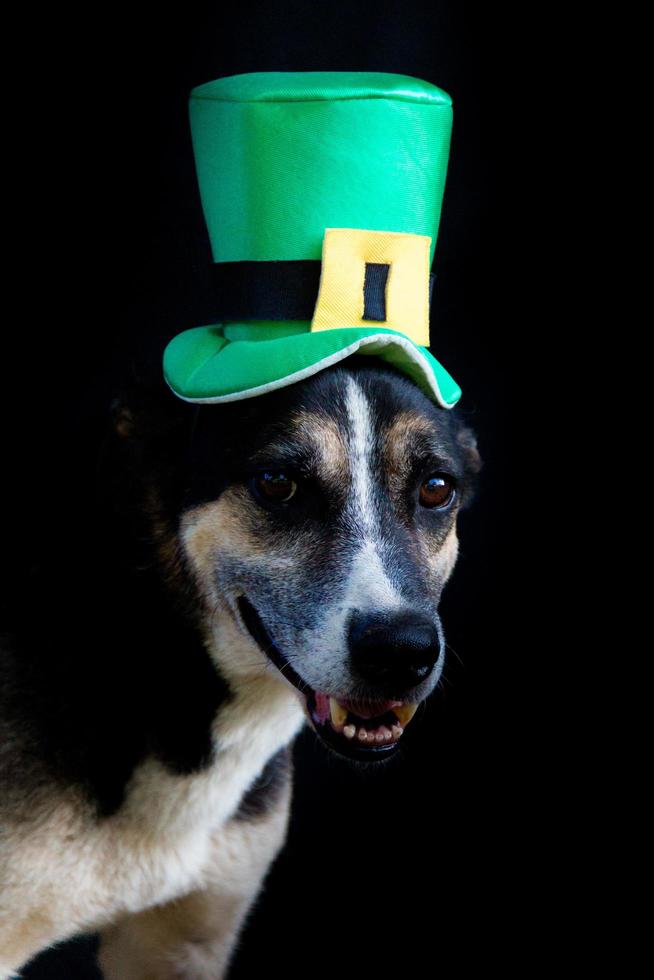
<point x="263" y="564"/>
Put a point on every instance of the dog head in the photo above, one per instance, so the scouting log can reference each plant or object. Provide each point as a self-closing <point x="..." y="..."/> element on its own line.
<point x="318" y="523"/>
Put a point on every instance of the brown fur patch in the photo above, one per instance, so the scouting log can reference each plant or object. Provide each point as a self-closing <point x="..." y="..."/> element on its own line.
<point x="447" y="554"/>
<point x="219" y="524"/>
<point x="399" y="437"/>
<point x="319" y="435"/>
<point x="233" y="525"/>
<point x="438" y="556"/>
<point x="322" y="433"/>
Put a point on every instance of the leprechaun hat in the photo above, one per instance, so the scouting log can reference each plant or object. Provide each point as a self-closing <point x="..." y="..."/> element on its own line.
<point x="322" y="196"/>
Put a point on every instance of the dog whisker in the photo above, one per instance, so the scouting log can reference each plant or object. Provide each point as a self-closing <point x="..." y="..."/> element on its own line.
<point x="449" y="647"/>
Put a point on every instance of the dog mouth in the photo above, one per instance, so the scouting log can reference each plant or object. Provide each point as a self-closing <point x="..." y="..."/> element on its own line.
<point x="362" y="730"/>
<point x="367" y="730"/>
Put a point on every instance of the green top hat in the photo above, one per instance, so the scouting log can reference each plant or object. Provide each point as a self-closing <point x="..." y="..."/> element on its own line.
<point x="322" y="195"/>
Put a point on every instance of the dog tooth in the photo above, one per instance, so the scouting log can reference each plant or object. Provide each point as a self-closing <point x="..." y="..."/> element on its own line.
<point x="362" y="735"/>
<point x="397" y="731"/>
<point x="349" y="731"/>
<point x="379" y="736"/>
<point x="405" y="713"/>
<point x="338" y="713"/>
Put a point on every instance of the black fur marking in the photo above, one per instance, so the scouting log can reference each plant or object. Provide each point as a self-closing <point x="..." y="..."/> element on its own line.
<point x="93" y="699"/>
<point x="267" y="788"/>
<point x="102" y="662"/>
<point x="260" y="635"/>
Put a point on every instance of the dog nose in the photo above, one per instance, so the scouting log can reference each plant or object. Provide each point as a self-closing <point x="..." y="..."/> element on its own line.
<point x="395" y="653"/>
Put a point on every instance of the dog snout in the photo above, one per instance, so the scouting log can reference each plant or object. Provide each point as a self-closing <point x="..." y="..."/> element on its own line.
<point x="395" y="654"/>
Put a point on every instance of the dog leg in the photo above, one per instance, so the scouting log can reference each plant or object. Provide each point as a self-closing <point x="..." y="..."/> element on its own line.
<point x="193" y="937"/>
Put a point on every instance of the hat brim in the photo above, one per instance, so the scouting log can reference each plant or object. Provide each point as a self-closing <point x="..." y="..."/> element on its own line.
<point x="201" y="365"/>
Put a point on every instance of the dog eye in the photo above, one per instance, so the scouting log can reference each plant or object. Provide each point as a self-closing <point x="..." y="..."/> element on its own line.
<point x="275" y="487"/>
<point x="436" y="491"/>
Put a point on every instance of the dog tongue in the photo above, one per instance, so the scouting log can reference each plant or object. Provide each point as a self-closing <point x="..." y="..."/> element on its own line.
<point x="365" y="709"/>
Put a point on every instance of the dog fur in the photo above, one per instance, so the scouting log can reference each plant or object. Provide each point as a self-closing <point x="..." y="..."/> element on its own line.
<point x="147" y="765"/>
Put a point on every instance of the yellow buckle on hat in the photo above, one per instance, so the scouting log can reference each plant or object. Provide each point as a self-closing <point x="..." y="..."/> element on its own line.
<point x="374" y="278"/>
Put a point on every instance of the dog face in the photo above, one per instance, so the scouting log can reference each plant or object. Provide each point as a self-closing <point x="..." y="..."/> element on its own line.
<point x="319" y="522"/>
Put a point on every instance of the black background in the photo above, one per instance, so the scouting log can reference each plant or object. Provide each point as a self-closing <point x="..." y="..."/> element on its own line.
<point x="445" y="854"/>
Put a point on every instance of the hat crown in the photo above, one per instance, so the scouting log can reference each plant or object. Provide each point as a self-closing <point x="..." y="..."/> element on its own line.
<point x="281" y="156"/>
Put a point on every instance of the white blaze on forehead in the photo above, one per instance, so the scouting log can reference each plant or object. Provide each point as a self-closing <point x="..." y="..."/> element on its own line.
<point x="368" y="586"/>
<point x="360" y="448"/>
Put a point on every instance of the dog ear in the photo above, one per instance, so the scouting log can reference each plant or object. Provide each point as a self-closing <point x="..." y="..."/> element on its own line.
<point x="148" y="412"/>
<point x="467" y="440"/>
<point x="144" y="454"/>
<point x="122" y="419"/>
